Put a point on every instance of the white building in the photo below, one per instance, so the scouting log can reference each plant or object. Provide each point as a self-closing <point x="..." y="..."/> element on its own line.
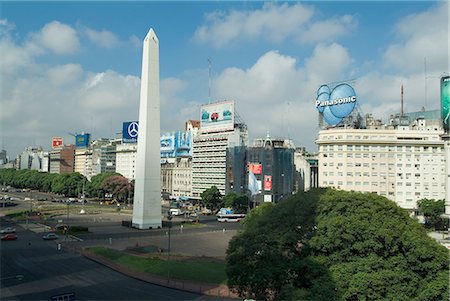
<point x="306" y="170"/>
<point x="126" y="160"/>
<point x="32" y="158"/>
<point x="403" y="163"/>
<point x="209" y="156"/>
<point x="176" y="176"/>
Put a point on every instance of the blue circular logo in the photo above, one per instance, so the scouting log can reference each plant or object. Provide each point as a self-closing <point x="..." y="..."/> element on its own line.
<point x="335" y="104"/>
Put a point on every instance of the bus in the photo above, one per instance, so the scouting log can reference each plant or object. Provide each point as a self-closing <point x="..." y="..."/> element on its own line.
<point x="225" y="218"/>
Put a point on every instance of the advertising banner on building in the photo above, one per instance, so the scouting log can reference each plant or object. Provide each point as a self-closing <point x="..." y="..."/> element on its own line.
<point x="217" y="116"/>
<point x="130" y="131"/>
<point x="252" y="184"/>
<point x="57" y="142"/>
<point x="167" y="145"/>
<point x="445" y="102"/>
<point x="82" y="140"/>
<point x="267" y="183"/>
<point x="255" y="168"/>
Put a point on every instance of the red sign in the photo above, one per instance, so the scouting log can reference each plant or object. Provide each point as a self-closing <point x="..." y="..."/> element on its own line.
<point x="57" y="142"/>
<point x="267" y="182"/>
<point x="255" y="168"/>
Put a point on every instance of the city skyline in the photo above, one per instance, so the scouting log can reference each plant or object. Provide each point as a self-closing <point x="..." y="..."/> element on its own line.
<point x="76" y="67"/>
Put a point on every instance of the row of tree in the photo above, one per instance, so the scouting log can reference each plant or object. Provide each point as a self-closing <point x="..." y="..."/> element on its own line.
<point x="70" y="185"/>
<point x="213" y="199"/>
<point x="336" y="245"/>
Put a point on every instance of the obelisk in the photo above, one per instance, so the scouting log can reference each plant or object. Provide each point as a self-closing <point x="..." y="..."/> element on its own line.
<point x="147" y="189"/>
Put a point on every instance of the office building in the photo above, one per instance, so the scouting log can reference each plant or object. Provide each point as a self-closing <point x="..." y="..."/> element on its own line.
<point x="403" y="161"/>
<point x="271" y="161"/>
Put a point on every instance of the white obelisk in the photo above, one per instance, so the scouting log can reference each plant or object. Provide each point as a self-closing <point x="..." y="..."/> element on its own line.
<point x="147" y="190"/>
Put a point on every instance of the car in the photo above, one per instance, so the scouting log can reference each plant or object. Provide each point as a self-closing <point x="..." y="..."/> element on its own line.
<point x="9" y="236"/>
<point x="8" y="230"/>
<point x="50" y="236"/>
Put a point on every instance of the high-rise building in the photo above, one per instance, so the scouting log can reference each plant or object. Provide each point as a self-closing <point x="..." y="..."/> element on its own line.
<point x="405" y="163"/>
<point x="126" y="160"/>
<point x="271" y="161"/>
<point x="62" y="159"/>
<point x="209" y="153"/>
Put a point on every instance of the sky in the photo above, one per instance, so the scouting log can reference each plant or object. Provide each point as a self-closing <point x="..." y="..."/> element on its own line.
<point x="72" y="67"/>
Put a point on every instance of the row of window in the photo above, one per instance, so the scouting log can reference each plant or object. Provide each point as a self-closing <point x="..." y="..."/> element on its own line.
<point x="381" y="148"/>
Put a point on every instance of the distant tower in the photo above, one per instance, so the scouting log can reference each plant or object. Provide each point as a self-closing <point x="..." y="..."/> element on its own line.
<point x="147" y="191"/>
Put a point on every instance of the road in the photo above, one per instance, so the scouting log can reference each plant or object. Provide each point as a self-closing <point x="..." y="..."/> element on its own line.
<point x="48" y="272"/>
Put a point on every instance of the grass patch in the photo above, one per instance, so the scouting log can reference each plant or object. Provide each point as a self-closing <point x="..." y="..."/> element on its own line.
<point x="201" y="270"/>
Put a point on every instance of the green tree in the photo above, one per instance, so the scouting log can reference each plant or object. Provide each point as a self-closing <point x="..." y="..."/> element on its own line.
<point x="69" y="185"/>
<point x="94" y="187"/>
<point x="432" y="211"/>
<point x="212" y="198"/>
<point x="335" y="245"/>
<point x="239" y="203"/>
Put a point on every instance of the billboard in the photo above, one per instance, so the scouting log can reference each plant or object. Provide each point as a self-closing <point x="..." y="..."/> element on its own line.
<point x="167" y="145"/>
<point x="217" y="116"/>
<point x="335" y="104"/>
<point x="82" y="140"/>
<point x="130" y="132"/>
<point x="267" y="183"/>
<point x="445" y="102"/>
<point x="255" y="168"/>
<point x="57" y="142"/>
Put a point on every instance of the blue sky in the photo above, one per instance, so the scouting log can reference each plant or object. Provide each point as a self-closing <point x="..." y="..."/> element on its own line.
<point x="72" y="67"/>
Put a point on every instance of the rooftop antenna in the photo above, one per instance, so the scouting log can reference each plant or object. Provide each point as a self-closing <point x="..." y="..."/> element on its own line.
<point x="209" y="80"/>
<point x="425" y="69"/>
<point x="401" y="112"/>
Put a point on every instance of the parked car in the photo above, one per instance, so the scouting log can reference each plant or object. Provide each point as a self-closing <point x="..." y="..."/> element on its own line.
<point x="8" y="230"/>
<point x="50" y="236"/>
<point x="10" y="236"/>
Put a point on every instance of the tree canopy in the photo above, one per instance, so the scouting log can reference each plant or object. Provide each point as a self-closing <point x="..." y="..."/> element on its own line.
<point x="212" y="198"/>
<point x="119" y="186"/>
<point x="432" y="211"/>
<point x="336" y="245"/>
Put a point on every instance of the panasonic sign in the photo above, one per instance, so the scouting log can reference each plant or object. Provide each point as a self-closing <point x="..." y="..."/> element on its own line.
<point x="335" y="101"/>
<point x="335" y="104"/>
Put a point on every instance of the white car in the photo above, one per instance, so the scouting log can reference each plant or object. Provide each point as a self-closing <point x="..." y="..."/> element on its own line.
<point x="50" y="236"/>
<point x="8" y="230"/>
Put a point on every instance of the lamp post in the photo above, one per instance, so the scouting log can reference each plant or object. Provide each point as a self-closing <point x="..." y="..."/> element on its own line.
<point x="169" y="218"/>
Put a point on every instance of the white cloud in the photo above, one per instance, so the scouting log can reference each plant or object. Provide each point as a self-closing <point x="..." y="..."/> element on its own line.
<point x="102" y="38"/>
<point x="65" y="74"/>
<point x="277" y="93"/>
<point x="422" y="35"/>
<point x="273" y="22"/>
<point x="57" y="37"/>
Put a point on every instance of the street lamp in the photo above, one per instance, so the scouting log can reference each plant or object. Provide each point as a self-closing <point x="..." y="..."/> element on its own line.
<point x="169" y="218"/>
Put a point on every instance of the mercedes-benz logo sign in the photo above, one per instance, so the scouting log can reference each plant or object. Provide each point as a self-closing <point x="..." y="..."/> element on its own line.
<point x="133" y="129"/>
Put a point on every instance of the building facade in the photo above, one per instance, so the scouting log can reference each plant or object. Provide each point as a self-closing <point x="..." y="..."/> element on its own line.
<point x="126" y="160"/>
<point x="271" y="161"/>
<point x="209" y="154"/>
<point x="306" y="170"/>
<point x="176" y="176"/>
<point x="62" y="159"/>
<point x="403" y="163"/>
